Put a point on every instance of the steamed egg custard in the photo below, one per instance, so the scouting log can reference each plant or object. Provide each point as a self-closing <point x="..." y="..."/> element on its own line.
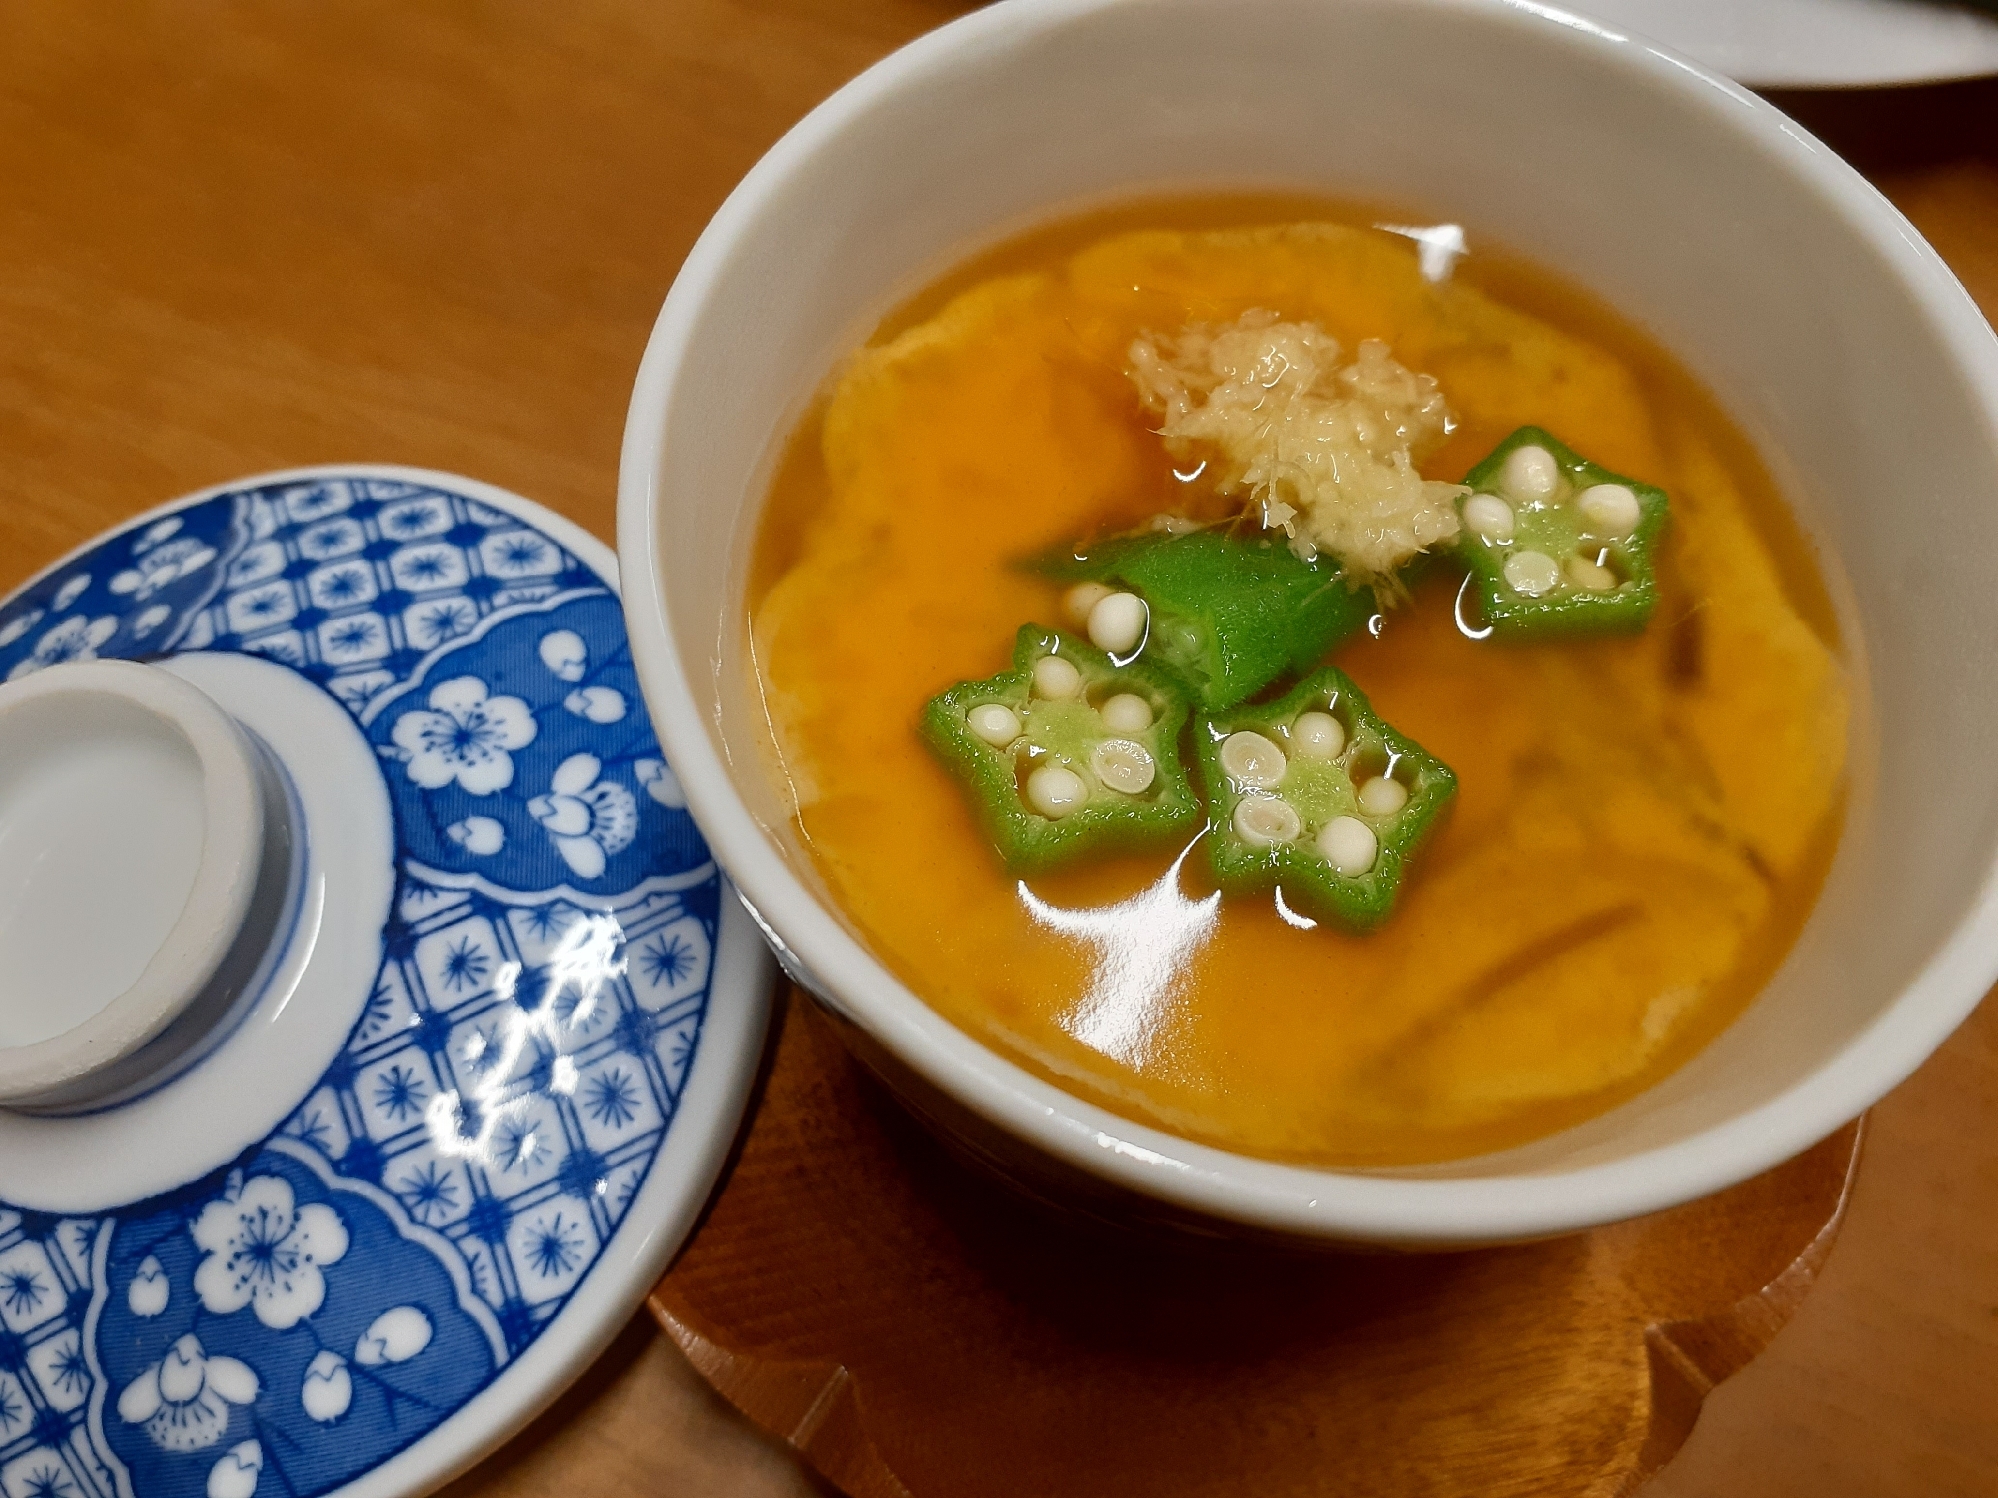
<point x="1329" y="711"/>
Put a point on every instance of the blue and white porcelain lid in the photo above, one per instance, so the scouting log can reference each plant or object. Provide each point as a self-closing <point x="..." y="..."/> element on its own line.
<point x="476" y="1091"/>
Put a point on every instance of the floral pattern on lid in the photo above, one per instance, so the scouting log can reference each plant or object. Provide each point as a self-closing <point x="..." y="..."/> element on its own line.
<point x="466" y="735"/>
<point x="286" y="1325"/>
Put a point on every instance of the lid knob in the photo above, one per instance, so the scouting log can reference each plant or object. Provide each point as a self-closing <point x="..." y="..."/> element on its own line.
<point x="137" y="826"/>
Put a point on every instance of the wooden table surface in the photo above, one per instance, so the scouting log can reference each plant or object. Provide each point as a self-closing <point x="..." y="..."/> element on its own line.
<point x="236" y="237"/>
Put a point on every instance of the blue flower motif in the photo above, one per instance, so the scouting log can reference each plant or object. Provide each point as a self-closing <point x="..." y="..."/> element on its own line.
<point x="479" y="836"/>
<point x="343" y="585"/>
<point x="330" y="540"/>
<point x="157" y="532"/>
<point x="588" y="819"/>
<point x="467" y="736"/>
<point x="429" y="1192"/>
<point x="356" y="692"/>
<point x="261" y="1249"/>
<point x="328" y="1388"/>
<point x="683" y="1051"/>
<point x="519" y="552"/>
<point x="578" y="1006"/>
<point x="266" y="604"/>
<point x="660" y="783"/>
<point x="466" y="965"/>
<point x="521" y="1143"/>
<point x="47" y="1480"/>
<point x="446" y="620"/>
<point x="673" y="963"/>
<point x="482" y="1050"/>
<point x="350" y="637"/>
<point x="395" y="1336"/>
<point x="610" y="1099"/>
<point x="401" y="1093"/>
<point x="547" y="922"/>
<point x="299" y="1237"/>
<point x="636" y="1031"/>
<point x="75" y="639"/>
<point x="379" y="1011"/>
<point x="239" y="1471"/>
<point x="419" y="569"/>
<point x="71" y="1370"/>
<point x="411" y="520"/>
<point x="22" y="1291"/>
<point x="162" y="567"/>
<point x="150" y="1291"/>
<point x="667" y="960"/>
<point x="310" y="504"/>
<point x="565" y="653"/>
<point x="284" y="648"/>
<point x="183" y="1400"/>
<point x="256" y="564"/>
<point x="312" y="1129"/>
<point x="554" y="1247"/>
<point x="17" y="626"/>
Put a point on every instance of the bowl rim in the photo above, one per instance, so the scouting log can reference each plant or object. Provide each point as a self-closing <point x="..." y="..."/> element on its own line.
<point x="1295" y="1200"/>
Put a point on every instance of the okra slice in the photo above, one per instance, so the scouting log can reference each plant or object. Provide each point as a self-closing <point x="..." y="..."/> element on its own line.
<point x="1068" y="754"/>
<point x="1314" y="793"/>
<point x="1558" y="545"/>
<point x="1228" y="614"/>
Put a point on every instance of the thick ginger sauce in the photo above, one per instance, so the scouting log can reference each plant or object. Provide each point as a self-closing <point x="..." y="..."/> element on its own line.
<point x="1641" y="824"/>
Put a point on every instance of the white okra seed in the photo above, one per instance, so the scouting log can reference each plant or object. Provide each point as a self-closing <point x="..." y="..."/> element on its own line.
<point x="1317" y="736"/>
<point x="1611" y="510"/>
<point x="1054" y="791"/>
<point x="1349" y="845"/>
<point x="1589" y="575"/>
<point x="1532" y="573"/>
<point x="1127" y="713"/>
<point x="1264" y="821"/>
<point x="1117" y="623"/>
<point x="1056" y="679"/>
<point x="1123" y="765"/>
<point x="1251" y="760"/>
<point x="1383" y="796"/>
<point x="995" y="723"/>
<point x="1080" y="599"/>
<point x="1529" y="475"/>
<point x="1489" y="518"/>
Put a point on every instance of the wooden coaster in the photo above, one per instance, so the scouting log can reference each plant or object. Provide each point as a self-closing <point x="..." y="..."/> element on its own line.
<point x="917" y="1332"/>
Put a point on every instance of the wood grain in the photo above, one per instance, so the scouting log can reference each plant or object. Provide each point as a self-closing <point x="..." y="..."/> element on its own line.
<point x="244" y="236"/>
<point x="236" y="236"/>
<point x="915" y="1330"/>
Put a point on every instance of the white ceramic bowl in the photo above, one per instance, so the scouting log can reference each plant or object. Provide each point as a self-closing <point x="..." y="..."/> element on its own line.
<point x="1801" y="297"/>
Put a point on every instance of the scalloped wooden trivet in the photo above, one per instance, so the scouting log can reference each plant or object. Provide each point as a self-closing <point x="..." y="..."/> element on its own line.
<point x="916" y="1332"/>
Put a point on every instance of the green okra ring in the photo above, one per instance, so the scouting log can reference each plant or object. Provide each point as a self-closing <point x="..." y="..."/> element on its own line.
<point x="1317" y="796"/>
<point x="1069" y="754"/>
<point x="1559" y="545"/>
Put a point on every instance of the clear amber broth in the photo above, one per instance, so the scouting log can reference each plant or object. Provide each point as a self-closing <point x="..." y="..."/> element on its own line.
<point x="1642" y="824"/>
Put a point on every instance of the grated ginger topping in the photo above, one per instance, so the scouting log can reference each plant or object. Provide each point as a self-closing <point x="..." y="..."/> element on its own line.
<point x="1327" y="450"/>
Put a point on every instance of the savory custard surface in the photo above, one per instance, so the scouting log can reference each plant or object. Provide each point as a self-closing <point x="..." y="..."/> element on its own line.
<point x="1641" y="823"/>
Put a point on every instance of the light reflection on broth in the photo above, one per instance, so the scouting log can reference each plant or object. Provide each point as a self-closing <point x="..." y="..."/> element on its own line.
<point x="1142" y="950"/>
<point x="1641" y="823"/>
